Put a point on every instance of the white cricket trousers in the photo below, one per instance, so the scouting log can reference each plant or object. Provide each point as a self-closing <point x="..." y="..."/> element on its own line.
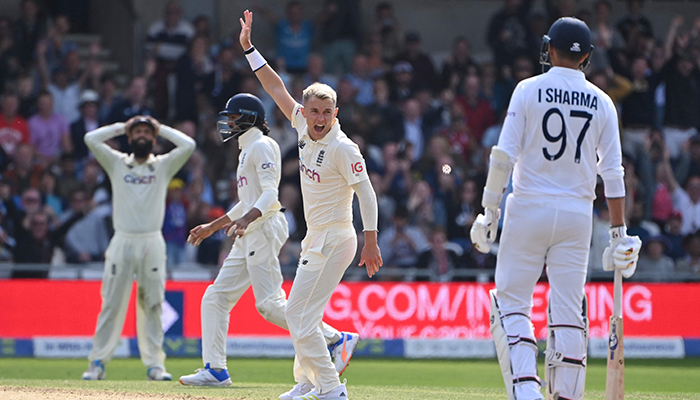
<point x="129" y="255"/>
<point x="253" y="259"/>
<point x="555" y="232"/>
<point x="326" y="252"/>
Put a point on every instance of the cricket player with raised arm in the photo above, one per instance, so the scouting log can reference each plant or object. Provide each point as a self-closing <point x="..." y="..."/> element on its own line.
<point x="259" y="229"/>
<point x="560" y="132"/>
<point x="139" y="187"/>
<point x="332" y="169"/>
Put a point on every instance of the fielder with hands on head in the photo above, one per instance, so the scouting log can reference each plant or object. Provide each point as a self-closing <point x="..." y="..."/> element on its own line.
<point x="259" y="230"/>
<point x="332" y="169"/>
<point x="139" y="187"/>
<point x="559" y="133"/>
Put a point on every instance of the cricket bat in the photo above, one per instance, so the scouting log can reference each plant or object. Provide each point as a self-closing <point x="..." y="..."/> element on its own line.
<point x="615" y="380"/>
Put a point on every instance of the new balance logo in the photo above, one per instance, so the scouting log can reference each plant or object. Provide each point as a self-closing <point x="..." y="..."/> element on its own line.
<point x="342" y="394"/>
<point x="302" y="144"/>
<point x="576" y="47"/>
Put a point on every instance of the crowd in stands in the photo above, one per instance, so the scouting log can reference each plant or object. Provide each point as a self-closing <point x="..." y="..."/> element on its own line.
<point x="425" y="127"/>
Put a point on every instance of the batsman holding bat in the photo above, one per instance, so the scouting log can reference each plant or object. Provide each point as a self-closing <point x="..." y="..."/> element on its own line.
<point x="560" y="132"/>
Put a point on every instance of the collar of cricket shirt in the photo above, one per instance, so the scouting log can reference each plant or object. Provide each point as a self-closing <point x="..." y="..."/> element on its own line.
<point x="330" y="135"/>
<point x="250" y="136"/>
<point x="130" y="160"/>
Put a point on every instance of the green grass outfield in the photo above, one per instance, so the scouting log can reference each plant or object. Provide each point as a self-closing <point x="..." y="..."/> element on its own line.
<point x="379" y="379"/>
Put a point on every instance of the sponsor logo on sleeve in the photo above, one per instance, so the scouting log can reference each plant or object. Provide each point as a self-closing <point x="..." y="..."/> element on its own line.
<point x="268" y="165"/>
<point x="357" y="167"/>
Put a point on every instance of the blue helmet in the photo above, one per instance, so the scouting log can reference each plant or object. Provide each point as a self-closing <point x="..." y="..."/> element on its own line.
<point x="250" y="110"/>
<point x="570" y="35"/>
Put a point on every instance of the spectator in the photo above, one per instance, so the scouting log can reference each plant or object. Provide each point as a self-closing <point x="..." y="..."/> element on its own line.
<point x="361" y="80"/>
<point x="132" y="105"/>
<point x="477" y="109"/>
<point x="29" y="29"/>
<point x="690" y="264"/>
<point x="377" y="65"/>
<point x="441" y="258"/>
<point x="339" y="25"/>
<point x="167" y="41"/>
<point x="88" y="121"/>
<point x="402" y="243"/>
<point x="653" y="265"/>
<point x="672" y="233"/>
<point x="107" y="91"/>
<point x="23" y="172"/>
<point x="423" y="68"/>
<point x="388" y="29"/>
<point x="10" y="63"/>
<point x="13" y="128"/>
<point x="458" y="65"/>
<point x="47" y="188"/>
<point x="316" y="72"/>
<point x="227" y="79"/>
<point x="634" y="24"/>
<point x="413" y="128"/>
<point x="604" y="36"/>
<point x="68" y="180"/>
<point x="27" y="96"/>
<point x="425" y="210"/>
<point x="283" y="133"/>
<point x="507" y="32"/>
<point x="384" y="120"/>
<point x="202" y="26"/>
<point x="48" y="132"/>
<point x="402" y="83"/>
<point x="351" y="115"/>
<point x="462" y="214"/>
<point x="638" y="107"/>
<point x="57" y="47"/>
<point x="35" y="244"/>
<point x="87" y="240"/>
<point x="175" y="225"/>
<point x="194" y="76"/>
<point x="458" y="134"/>
<point x="689" y="162"/>
<point x="293" y="35"/>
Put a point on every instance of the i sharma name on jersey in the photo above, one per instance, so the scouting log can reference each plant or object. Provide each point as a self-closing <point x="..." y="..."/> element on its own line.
<point x="561" y="96"/>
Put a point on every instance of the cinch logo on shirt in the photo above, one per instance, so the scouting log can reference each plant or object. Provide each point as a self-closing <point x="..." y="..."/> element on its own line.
<point x="139" y="179"/>
<point x="242" y="181"/>
<point x="310" y="173"/>
<point x="268" y="165"/>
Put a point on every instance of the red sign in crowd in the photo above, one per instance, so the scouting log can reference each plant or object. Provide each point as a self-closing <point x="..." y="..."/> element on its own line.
<point x="31" y="308"/>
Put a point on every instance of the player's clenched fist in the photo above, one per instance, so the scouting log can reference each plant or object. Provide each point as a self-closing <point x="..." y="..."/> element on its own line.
<point x="484" y="229"/>
<point x="623" y="251"/>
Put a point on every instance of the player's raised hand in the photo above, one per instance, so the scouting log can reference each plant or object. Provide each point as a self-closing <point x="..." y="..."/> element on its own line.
<point x="371" y="258"/>
<point x="199" y="233"/>
<point x="246" y="27"/>
<point x="484" y="229"/>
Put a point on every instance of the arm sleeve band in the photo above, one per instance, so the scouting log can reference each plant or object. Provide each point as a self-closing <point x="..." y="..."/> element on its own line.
<point x="368" y="204"/>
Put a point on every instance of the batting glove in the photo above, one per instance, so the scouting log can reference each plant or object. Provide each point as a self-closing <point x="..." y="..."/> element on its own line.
<point x="623" y="251"/>
<point x="484" y="229"/>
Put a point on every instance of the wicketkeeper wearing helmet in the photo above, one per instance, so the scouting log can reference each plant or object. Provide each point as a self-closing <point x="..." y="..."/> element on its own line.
<point x="561" y="131"/>
<point x="139" y="187"/>
<point x="258" y="228"/>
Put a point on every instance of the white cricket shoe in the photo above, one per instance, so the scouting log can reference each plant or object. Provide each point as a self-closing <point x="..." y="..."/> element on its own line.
<point x="207" y="377"/>
<point x="339" y="393"/>
<point x="299" y="389"/>
<point x="341" y="351"/>
<point x="95" y="371"/>
<point x="158" y="374"/>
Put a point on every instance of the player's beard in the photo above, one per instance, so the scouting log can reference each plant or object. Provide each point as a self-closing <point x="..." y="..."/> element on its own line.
<point x="142" y="148"/>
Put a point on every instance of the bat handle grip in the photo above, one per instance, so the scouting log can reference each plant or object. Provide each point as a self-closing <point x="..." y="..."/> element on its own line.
<point x="617" y="293"/>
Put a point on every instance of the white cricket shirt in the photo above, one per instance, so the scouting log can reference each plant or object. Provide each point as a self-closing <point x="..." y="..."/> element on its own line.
<point x="561" y="131"/>
<point x="328" y="167"/>
<point x="259" y="172"/>
<point x="139" y="190"/>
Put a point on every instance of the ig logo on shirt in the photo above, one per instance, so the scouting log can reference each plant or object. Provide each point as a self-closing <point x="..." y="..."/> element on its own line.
<point x="357" y="167"/>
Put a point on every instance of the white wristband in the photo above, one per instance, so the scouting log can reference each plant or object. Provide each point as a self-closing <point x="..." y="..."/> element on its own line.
<point x="255" y="59"/>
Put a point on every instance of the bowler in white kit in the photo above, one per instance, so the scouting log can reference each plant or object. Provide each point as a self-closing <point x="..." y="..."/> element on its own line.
<point x="139" y="187"/>
<point x="560" y="132"/>
<point x="259" y="229"/>
<point x="332" y="170"/>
